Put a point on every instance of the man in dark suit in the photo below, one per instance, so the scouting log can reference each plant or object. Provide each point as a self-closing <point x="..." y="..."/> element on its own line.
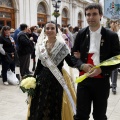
<point x="95" y="44"/>
<point x="25" y="48"/>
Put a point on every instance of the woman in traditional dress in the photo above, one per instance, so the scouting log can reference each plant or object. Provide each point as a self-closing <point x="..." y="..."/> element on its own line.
<point x="50" y="101"/>
<point x="34" y="34"/>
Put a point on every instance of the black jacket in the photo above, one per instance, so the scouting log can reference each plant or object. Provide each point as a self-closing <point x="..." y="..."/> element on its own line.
<point x="7" y="44"/>
<point x="109" y="47"/>
<point x="24" y="44"/>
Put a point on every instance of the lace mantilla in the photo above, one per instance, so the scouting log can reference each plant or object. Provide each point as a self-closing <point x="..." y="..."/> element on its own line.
<point x="58" y="52"/>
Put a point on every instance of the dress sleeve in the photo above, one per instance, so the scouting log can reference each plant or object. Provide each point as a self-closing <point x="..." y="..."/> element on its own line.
<point x="38" y="68"/>
<point x="72" y="61"/>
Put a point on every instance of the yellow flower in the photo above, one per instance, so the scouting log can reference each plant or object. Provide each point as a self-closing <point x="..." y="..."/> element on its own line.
<point x="28" y="83"/>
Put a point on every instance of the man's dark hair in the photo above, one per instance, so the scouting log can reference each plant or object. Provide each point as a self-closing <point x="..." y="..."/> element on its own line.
<point x="62" y="29"/>
<point x="4" y="28"/>
<point x="58" y="25"/>
<point x="113" y="21"/>
<point x="95" y="6"/>
<point x="76" y="29"/>
<point x="23" y="26"/>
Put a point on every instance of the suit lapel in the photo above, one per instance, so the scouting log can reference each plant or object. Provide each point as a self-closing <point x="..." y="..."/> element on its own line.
<point x="87" y="39"/>
<point x="103" y="42"/>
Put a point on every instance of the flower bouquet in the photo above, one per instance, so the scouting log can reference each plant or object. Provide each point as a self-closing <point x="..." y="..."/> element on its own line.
<point x="28" y="85"/>
<point x="112" y="61"/>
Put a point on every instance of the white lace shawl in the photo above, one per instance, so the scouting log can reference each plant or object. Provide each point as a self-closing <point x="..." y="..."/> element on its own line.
<point x="58" y="52"/>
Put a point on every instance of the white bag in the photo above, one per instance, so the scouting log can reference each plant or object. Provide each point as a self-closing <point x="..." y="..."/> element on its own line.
<point x="11" y="77"/>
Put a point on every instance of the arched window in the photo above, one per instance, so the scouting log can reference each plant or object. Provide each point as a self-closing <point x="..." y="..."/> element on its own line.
<point x="41" y="14"/>
<point x="64" y="17"/>
<point x="41" y="8"/>
<point x="7" y="13"/>
<point x="6" y="3"/>
<point x="64" y="13"/>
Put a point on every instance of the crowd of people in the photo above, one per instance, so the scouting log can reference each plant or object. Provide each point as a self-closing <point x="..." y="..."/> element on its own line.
<point x="18" y="44"/>
<point x="80" y="48"/>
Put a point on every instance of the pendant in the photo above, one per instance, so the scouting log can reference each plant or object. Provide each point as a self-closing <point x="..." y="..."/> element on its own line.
<point x="102" y="41"/>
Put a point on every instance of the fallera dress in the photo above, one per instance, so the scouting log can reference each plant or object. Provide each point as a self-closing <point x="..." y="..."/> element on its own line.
<point x="50" y="101"/>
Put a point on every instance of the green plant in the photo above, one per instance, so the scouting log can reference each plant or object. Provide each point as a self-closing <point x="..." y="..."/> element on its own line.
<point x="56" y="14"/>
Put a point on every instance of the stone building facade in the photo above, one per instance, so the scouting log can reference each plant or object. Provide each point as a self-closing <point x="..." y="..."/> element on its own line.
<point x="38" y="12"/>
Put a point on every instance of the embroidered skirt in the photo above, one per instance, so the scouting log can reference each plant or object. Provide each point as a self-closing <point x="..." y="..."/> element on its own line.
<point x="47" y="102"/>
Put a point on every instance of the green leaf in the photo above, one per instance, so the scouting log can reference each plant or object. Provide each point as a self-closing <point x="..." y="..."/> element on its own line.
<point x="23" y="89"/>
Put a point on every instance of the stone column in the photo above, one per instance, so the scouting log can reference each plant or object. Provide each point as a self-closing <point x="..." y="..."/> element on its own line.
<point x="70" y="21"/>
<point x="74" y="14"/>
<point x="32" y="13"/>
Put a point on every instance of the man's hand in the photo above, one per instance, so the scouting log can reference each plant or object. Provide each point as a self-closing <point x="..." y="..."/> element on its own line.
<point x="95" y="72"/>
<point x="31" y="38"/>
<point x="87" y="67"/>
<point x="77" y="54"/>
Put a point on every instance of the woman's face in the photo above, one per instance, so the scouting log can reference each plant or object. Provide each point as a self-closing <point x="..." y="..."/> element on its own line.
<point x="7" y="32"/>
<point x="50" y="30"/>
<point x="35" y="29"/>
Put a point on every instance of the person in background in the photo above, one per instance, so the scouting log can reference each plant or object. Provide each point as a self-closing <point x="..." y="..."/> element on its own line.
<point x="0" y="35"/>
<point x="39" y="31"/>
<point x="0" y="29"/>
<point x="15" y="36"/>
<point x="70" y="29"/>
<point x="25" y="48"/>
<point x="114" y="75"/>
<point x="119" y="40"/>
<point x="119" y="31"/>
<point x="7" y="48"/>
<point x="70" y="35"/>
<point x="68" y="40"/>
<point x="58" y="26"/>
<point x="76" y="29"/>
<point x="95" y="44"/>
<point x="65" y="37"/>
<point x="12" y="32"/>
<point x="34" y="34"/>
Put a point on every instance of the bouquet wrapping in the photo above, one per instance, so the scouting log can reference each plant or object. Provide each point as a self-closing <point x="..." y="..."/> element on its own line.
<point x="112" y="61"/>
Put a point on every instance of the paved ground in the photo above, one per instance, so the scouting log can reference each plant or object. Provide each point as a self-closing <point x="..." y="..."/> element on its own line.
<point x="14" y="107"/>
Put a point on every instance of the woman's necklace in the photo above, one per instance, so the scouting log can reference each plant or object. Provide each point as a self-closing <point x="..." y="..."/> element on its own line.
<point x="49" y="46"/>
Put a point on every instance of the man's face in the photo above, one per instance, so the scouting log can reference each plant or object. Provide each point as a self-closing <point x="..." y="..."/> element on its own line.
<point x="112" y="24"/>
<point x="93" y="17"/>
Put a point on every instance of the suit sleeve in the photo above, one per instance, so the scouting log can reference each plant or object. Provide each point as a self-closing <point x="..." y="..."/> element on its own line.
<point x="76" y="48"/>
<point x="115" y="50"/>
